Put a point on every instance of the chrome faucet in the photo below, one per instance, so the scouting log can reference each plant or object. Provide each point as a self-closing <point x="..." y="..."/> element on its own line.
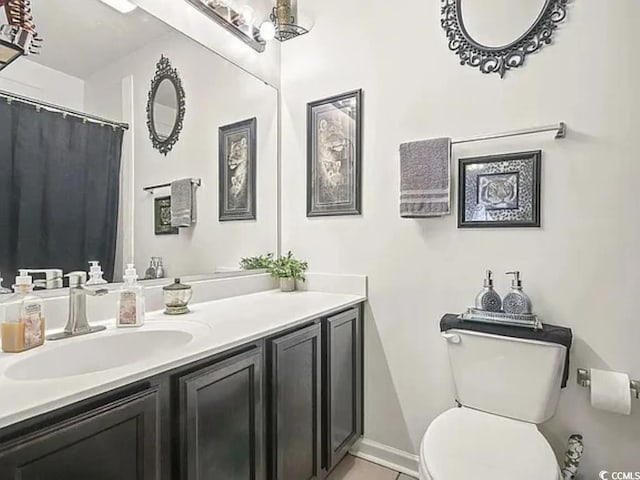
<point x="77" y="324"/>
<point x="52" y="277"/>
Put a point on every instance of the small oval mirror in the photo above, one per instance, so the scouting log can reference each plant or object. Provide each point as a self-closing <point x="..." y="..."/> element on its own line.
<point x="499" y="23"/>
<point x="165" y="109"/>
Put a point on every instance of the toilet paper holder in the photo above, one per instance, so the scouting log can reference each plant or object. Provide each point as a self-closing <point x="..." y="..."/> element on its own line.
<point x="584" y="380"/>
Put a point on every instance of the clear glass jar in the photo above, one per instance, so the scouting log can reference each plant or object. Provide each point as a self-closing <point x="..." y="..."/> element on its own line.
<point x="176" y="298"/>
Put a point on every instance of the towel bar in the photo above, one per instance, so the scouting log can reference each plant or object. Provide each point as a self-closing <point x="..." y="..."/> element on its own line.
<point x="584" y="380"/>
<point x="196" y="181"/>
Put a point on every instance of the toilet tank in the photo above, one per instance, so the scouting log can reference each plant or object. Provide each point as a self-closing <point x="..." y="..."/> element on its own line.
<point x="511" y="377"/>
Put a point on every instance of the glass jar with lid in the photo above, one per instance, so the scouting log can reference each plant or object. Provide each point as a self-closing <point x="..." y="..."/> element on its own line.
<point x="177" y="297"/>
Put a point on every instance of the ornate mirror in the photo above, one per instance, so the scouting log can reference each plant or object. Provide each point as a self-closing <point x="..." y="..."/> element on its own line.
<point x="497" y="35"/>
<point x="165" y="107"/>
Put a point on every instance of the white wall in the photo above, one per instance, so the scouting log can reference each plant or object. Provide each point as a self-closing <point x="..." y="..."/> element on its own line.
<point x="581" y="268"/>
<point x="25" y="77"/>
<point x="217" y="94"/>
<point x="187" y="19"/>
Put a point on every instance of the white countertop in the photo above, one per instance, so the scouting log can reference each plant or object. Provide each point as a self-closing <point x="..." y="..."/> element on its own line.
<point x="216" y="326"/>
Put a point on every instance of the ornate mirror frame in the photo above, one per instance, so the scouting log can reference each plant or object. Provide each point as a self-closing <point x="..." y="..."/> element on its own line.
<point x="500" y="59"/>
<point x="164" y="71"/>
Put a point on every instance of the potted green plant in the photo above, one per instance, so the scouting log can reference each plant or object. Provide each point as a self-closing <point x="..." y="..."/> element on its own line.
<point x="257" y="263"/>
<point x="288" y="269"/>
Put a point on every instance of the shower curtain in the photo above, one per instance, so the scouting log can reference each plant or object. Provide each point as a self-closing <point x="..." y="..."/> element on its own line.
<point x="59" y="191"/>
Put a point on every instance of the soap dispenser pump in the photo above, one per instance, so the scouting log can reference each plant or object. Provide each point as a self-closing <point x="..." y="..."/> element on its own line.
<point x="95" y="274"/>
<point x="488" y="299"/>
<point x="517" y="302"/>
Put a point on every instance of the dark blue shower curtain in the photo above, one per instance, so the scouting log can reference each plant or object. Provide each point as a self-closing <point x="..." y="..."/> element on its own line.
<point x="59" y="191"/>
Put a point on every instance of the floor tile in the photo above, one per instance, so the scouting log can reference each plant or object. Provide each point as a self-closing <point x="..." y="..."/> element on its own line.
<point x="352" y="468"/>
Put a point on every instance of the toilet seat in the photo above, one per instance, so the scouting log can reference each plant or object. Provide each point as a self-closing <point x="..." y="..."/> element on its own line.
<point x="463" y="444"/>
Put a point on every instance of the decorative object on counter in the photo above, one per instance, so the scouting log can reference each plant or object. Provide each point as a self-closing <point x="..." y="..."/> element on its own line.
<point x="282" y="25"/>
<point x="177" y="297"/>
<point x="572" y="457"/>
<point x="23" y="325"/>
<point x="334" y="155"/>
<point x="288" y="269"/>
<point x="155" y="269"/>
<point x="166" y="107"/>
<point x="237" y="170"/>
<point x="95" y="274"/>
<point x="19" y="36"/>
<point x="184" y="205"/>
<point x="160" y="272"/>
<point x="239" y="23"/>
<point x="257" y="263"/>
<point x="4" y="291"/>
<point x="425" y="178"/>
<point x="517" y="302"/>
<point x="130" y="300"/>
<point x="488" y="299"/>
<point x="500" y="190"/>
<point x="162" y="217"/>
<point x="500" y="58"/>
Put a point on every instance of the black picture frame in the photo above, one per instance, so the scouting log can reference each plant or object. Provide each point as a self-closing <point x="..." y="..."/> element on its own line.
<point x="237" y="201"/>
<point x="162" y="216"/>
<point x="342" y="135"/>
<point x="518" y="173"/>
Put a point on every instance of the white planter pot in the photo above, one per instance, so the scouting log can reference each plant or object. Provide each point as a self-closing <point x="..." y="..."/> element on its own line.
<point x="287" y="284"/>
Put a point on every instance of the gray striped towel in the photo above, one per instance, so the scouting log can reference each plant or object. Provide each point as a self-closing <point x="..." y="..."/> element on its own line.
<point x="425" y="178"/>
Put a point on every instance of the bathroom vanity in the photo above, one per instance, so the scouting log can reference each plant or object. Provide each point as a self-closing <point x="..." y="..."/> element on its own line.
<point x="270" y="387"/>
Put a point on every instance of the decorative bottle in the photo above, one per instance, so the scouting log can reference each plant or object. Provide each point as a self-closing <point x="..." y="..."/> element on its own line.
<point x="488" y="299"/>
<point x="23" y="327"/>
<point x="517" y="302"/>
<point x="95" y="274"/>
<point x="130" y="300"/>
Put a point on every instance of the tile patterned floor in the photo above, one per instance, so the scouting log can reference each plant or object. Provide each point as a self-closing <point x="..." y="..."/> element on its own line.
<point x="352" y="468"/>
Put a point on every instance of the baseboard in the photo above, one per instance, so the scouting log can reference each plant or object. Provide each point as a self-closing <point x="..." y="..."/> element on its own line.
<point x="386" y="456"/>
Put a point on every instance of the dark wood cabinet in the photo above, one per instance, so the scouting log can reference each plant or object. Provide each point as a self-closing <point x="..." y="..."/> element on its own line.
<point x="295" y="407"/>
<point x="119" y="441"/>
<point x="286" y="407"/>
<point x="221" y="420"/>
<point x="342" y="392"/>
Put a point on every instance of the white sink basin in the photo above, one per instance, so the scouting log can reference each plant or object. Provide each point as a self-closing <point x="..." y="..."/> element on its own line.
<point x="96" y="353"/>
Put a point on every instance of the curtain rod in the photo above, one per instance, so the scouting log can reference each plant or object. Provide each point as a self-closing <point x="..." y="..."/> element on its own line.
<point x="63" y="110"/>
<point x="559" y="128"/>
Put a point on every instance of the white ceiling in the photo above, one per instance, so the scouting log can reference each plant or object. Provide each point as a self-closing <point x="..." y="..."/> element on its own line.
<point x="82" y="36"/>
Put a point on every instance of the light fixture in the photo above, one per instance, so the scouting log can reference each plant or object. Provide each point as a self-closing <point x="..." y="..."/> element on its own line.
<point x="268" y="31"/>
<point x="19" y="36"/>
<point x="248" y="14"/>
<point x="284" y="22"/>
<point x="123" y="6"/>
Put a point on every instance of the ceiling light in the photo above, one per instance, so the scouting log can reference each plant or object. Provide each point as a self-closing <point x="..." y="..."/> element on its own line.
<point x="123" y="6"/>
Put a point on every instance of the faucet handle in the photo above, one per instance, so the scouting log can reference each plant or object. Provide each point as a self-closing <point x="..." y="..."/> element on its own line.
<point x="76" y="279"/>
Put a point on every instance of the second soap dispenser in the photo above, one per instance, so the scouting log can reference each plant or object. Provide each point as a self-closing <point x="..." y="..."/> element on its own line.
<point x="130" y="300"/>
<point x="488" y="299"/>
<point x="517" y="302"/>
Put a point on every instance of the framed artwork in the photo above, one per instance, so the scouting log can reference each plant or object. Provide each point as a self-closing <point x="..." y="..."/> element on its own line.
<point x="334" y="155"/>
<point x="500" y="190"/>
<point x="162" y="216"/>
<point x="237" y="170"/>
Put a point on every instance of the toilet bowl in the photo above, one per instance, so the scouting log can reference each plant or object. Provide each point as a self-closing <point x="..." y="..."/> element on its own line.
<point x="464" y="444"/>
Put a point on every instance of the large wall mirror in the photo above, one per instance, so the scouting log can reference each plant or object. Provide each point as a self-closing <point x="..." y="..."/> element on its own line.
<point x="74" y="188"/>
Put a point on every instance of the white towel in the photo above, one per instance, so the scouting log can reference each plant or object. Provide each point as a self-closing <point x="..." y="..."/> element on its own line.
<point x="425" y="178"/>
<point x="183" y="203"/>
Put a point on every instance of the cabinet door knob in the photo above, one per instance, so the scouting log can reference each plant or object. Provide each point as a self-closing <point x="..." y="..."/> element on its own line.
<point x="451" y="337"/>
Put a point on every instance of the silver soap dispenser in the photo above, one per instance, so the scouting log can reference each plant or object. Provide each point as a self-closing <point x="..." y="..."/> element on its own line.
<point x="488" y="299"/>
<point x="517" y="302"/>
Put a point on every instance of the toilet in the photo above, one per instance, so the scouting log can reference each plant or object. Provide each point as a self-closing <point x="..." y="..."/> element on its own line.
<point x="505" y="387"/>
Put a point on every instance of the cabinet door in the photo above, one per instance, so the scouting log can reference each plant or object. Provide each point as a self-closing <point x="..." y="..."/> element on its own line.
<point x="343" y="385"/>
<point x="296" y="405"/>
<point x="119" y="441"/>
<point x="221" y="420"/>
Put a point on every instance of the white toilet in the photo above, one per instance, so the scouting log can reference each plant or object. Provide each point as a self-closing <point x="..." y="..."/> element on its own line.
<point x="506" y="386"/>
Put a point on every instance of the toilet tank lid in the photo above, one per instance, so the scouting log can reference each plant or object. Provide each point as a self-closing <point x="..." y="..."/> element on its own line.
<point x="463" y="444"/>
<point x="549" y="334"/>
